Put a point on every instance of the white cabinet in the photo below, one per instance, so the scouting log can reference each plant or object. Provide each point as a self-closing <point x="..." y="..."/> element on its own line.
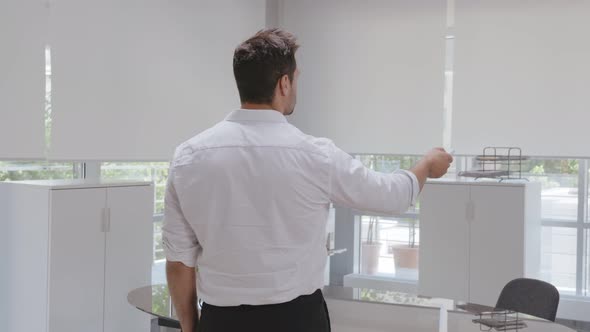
<point x="444" y="242"/>
<point x="76" y="259"/>
<point x="75" y="249"/>
<point x="477" y="236"/>
<point x="129" y="248"/>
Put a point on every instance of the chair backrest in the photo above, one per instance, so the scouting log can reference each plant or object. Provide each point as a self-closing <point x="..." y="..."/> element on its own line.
<point x="529" y="296"/>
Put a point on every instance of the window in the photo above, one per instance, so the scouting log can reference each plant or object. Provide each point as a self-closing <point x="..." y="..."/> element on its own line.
<point x="586" y="226"/>
<point x="389" y="247"/>
<point x="586" y="277"/>
<point x="558" y="258"/>
<point x="587" y="200"/>
<point x="565" y="242"/>
<point x="559" y="179"/>
<point x="36" y="170"/>
<point x="563" y="258"/>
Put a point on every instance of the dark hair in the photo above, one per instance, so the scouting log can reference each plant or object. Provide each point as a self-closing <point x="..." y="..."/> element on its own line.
<point x="261" y="61"/>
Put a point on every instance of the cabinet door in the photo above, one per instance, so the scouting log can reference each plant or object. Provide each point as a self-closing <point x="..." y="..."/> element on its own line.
<point x="497" y="240"/>
<point x="444" y="241"/>
<point x="77" y="245"/>
<point x="128" y="255"/>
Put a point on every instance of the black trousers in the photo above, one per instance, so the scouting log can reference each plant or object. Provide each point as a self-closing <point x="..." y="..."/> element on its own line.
<point x="307" y="313"/>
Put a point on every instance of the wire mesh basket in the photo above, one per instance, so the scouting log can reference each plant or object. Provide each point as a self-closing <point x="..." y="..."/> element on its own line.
<point x="500" y="320"/>
<point x="503" y="163"/>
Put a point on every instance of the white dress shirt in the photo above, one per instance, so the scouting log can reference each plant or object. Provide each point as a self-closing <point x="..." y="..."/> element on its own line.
<point x="247" y="203"/>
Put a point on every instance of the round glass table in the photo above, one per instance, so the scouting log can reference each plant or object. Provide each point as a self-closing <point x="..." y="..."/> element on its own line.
<point x="356" y="309"/>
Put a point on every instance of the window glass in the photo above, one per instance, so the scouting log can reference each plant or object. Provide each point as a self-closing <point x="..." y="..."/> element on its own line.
<point x="35" y="170"/>
<point x="558" y="258"/>
<point x="390" y="247"/>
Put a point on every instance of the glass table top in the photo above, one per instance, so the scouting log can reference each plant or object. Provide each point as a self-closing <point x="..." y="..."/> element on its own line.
<point x="155" y="300"/>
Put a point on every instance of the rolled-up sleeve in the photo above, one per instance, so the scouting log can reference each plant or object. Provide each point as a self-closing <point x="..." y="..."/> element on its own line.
<point x="178" y="238"/>
<point x="356" y="186"/>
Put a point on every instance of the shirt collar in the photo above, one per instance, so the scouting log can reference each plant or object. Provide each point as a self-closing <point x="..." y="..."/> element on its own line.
<point x="256" y="116"/>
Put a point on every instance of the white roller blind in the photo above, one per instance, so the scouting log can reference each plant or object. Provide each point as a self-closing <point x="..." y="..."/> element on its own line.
<point x="134" y="78"/>
<point x="522" y="76"/>
<point x="22" y="78"/>
<point x="372" y="72"/>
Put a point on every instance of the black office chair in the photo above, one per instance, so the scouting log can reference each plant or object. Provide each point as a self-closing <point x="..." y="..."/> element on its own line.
<point x="529" y="296"/>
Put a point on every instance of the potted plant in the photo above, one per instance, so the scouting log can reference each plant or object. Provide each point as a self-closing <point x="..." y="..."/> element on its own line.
<point x="406" y="255"/>
<point x="370" y="249"/>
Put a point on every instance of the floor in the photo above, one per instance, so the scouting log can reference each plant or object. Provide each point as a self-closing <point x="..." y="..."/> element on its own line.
<point x="576" y="325"/>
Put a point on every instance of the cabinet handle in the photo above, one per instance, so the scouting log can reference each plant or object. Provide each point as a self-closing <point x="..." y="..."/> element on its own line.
<point x="106" y="220"/>
<point x="470" y="211"/>
<point x="103" y="220"/>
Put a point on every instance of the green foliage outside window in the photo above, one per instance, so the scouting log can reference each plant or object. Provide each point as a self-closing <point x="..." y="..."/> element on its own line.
<point x="35" y="170"/>
<point x="553" y="166"/>
<point x="387" y="163"/>
<point x="552" y="173"/>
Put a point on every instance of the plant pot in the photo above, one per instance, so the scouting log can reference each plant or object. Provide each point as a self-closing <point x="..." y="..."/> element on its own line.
<point x="370" y="257"/>
<point x="405" y="257"/>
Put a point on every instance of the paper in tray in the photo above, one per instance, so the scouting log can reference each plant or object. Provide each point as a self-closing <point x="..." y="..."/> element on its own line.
<point x="483" y="174"/>
<point x="476" y="309"/>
